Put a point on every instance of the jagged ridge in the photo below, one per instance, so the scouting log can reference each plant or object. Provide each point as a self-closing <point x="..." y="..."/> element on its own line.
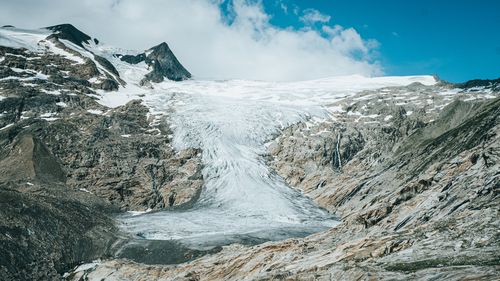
<point x="163" y="62"/>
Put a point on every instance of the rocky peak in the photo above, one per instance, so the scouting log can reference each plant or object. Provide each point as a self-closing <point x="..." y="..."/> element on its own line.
<point x="69" y="32"/>
<point x="163" y="62"/>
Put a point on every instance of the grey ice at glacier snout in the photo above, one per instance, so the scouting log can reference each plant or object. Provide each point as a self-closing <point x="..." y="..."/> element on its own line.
<point x="231" y="122"/>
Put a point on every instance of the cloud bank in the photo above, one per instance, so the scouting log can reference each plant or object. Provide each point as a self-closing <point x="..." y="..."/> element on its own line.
<point x="210" y="46"/>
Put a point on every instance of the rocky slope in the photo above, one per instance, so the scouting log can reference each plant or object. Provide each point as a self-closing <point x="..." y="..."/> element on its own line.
<point x="413" y="174"/>
<point x="68" y="164"/>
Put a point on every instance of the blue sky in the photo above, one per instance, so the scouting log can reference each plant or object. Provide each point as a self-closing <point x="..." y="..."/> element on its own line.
<point x="457" y="40"/>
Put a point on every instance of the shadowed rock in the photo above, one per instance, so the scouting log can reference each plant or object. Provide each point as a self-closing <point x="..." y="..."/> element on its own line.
<point x="29" y="159"/>
<point x="69" y="32"/>
<point x="163" y="62"/>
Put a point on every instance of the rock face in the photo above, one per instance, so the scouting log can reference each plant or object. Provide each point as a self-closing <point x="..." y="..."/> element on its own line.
<point x="47" y="228"/>
<point x="70" y="33"/>
<point x="415" y="184"/>
<point x="120" y="158"/>
<point x="163" y="62"/>
<point x="68" y="164"/>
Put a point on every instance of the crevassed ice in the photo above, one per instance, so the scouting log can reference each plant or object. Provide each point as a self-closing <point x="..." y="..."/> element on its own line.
<point x="231" y="121"/>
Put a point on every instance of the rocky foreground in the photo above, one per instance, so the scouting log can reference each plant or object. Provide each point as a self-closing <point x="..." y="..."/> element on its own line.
<point x="412" y="172"/>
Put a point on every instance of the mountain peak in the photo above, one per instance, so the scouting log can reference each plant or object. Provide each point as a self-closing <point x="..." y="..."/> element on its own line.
<point x="71" y="33"/>
<point x="165" y="64"/>
<point x="161" y="46"/>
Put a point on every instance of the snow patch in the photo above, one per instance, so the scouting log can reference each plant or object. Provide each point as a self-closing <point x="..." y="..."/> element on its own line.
<point x="136" y="213"/>
<point x="22" y="38"/>
<point x="49" y="116"/>
<point x="95" y="111"/>
<point x="52" y="92"/>
<point x="7" y="126"/>
<point x="61" y="104"/>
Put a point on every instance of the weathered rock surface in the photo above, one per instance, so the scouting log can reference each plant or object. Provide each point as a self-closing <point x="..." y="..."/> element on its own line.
<point x="68" y="164"/>
<point x="417" y="193"/>
<point x="47" y="228"/>
<point x="120" y="158"/>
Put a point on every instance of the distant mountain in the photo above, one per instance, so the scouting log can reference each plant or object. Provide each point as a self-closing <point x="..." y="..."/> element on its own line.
<point x="163" y="62"/>
<point x="71" y="33"/>
<point x="494" y="85"/>
<point x="160" y="62"/>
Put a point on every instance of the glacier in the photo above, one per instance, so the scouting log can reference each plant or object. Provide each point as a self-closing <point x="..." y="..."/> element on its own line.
<point x="231" y="121"/>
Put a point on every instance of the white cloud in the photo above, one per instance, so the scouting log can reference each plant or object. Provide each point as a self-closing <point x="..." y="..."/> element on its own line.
<point x="248" y="47"/>
<point x="312" y="16"/>
<point x="282" y="6"/>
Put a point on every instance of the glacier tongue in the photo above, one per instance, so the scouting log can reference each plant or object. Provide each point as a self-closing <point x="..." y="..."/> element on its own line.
<point x="231" y="122"/>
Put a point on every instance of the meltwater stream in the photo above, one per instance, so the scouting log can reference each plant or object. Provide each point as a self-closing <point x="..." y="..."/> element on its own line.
<point x="242" y="200"/>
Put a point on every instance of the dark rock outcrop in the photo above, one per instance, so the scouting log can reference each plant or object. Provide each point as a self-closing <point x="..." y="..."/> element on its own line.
<point x="163" y="62"/>
<point x="133" y="59"/>
<point x="69" y="32"/>
<point x="481" y="83"/>
<point x="47" y="228"/>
